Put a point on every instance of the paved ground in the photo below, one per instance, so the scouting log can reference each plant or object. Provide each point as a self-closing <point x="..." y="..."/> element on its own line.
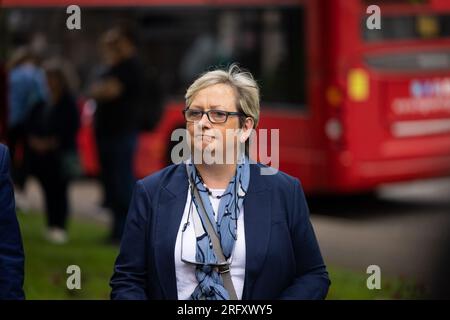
<point x="400" y="229"/>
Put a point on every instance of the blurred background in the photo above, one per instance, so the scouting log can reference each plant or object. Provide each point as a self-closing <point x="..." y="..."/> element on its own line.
<point x="364" y="120"/>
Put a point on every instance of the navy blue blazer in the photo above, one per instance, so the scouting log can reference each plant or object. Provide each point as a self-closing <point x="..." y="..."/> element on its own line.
<point x="283" y="259"/>
<point x="11" y="250"/>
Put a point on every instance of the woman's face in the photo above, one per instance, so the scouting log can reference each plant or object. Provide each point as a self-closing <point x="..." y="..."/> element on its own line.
<point x="208" y="137"/>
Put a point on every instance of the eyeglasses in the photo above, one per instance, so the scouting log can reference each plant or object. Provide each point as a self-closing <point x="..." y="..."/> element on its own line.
<point x="214" y="116"/>
<point x="222" y="266"/>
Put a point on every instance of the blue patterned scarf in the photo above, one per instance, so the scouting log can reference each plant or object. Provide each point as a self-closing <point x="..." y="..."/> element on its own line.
<point x="210" y="283"/>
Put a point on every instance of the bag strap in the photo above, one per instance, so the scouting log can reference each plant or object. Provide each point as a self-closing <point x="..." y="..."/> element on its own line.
<point x="217" y="247"/>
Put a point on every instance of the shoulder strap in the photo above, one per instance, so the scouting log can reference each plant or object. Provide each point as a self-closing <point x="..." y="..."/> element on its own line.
<point x="217" y="247"/>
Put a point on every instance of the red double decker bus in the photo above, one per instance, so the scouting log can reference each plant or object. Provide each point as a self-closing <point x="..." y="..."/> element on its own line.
<point x="355" y="107"/>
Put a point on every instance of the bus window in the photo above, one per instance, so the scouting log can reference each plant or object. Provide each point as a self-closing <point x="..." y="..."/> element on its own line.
<point x="408" y="27"/>
<point x="283" y="71"/>
<point x="267" y="41"/>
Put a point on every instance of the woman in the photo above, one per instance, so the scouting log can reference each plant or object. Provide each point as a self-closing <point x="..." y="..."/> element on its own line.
<point x="52" y="139"/>
<point x="219" y="230"/>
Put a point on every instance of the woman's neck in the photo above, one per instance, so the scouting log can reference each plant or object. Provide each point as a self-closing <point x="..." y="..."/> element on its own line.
<point x="216" y="176"/>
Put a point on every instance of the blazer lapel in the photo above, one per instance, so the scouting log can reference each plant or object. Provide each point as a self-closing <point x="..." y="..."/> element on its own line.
<point x="168" y="218"/>
<point x="257" y="224"/>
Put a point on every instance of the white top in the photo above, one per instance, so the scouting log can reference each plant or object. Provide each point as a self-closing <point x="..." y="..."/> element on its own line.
<point x="185" y="273"/>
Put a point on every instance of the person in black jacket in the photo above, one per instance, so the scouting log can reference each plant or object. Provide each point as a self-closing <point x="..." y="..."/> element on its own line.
<point x="52" y="139"/>
<point x="118" y="93"/>
<point x="11" y="249"/>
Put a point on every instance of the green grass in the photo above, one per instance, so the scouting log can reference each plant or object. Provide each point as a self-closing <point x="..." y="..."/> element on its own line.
<point x="352" y="286"/>
<point x="46" y="264"/>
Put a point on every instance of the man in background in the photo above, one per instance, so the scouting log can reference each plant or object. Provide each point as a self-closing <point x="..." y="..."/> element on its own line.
<point x="118" y="93"/>
<point x="27" y="89"/>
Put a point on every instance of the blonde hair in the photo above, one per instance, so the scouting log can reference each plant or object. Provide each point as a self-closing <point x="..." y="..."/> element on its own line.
<point x="242" y="82"/>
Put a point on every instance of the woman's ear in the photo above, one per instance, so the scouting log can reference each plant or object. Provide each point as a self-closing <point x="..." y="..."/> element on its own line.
<point x="246" y="129"/>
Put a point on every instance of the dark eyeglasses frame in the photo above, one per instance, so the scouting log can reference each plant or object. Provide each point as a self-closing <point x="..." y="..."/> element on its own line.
<point x="228" y="113"/>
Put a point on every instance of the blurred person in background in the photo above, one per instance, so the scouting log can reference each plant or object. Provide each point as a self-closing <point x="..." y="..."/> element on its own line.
<point x="119" y="94"/>
<point x="52" y="130"/>
<point x="27" y="89"/>
<point x="11" y="249"/>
